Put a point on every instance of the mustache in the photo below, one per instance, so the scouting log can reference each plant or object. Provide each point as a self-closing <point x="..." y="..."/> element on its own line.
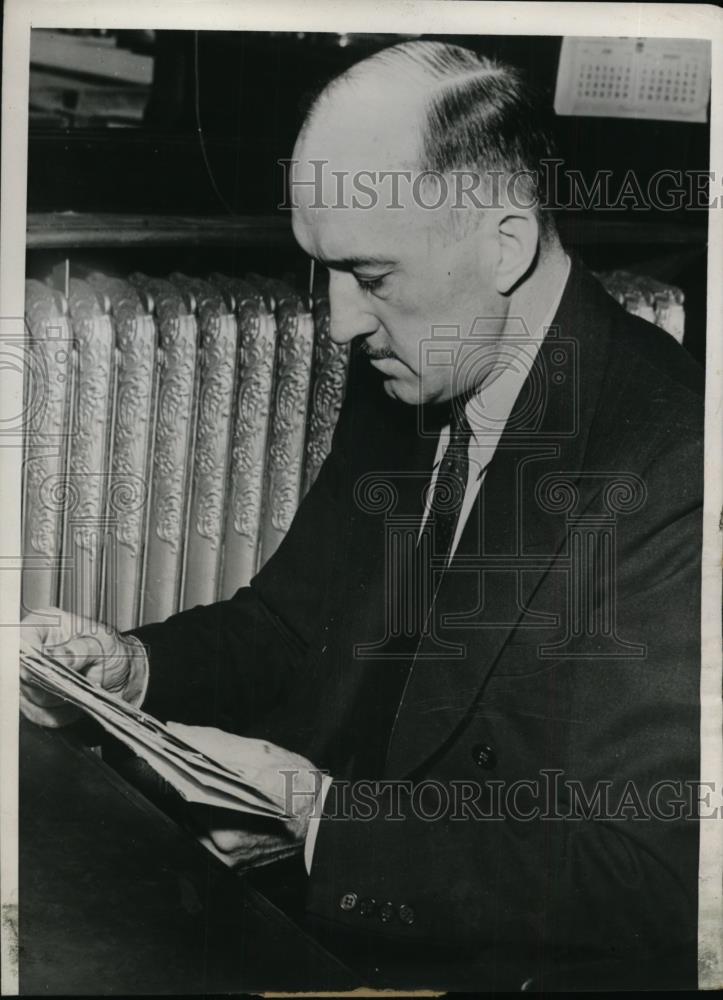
<point x="376" y="354"/>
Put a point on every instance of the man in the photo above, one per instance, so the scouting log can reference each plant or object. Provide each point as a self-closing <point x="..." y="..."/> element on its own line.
<point x="483" y="623"/>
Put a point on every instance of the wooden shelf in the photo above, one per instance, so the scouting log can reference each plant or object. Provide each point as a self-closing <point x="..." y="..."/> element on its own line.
<point x="68" y="230"/>
<point x="61" y="230"/>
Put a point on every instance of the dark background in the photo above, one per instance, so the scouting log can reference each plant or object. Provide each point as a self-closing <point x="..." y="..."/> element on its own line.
<point x="248" y="91"/>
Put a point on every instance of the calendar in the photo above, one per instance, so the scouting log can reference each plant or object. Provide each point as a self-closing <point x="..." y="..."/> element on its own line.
<point x="661" y="78"/>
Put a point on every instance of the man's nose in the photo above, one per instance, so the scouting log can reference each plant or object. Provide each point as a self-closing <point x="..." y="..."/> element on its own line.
<point x="350" y="315"/>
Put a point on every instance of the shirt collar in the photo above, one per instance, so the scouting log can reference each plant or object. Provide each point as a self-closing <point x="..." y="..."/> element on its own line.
<point x="489" y="408"/>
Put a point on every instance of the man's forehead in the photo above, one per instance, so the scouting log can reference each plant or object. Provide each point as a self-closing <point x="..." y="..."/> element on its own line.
<point x="352" y="174"/>
<point x="365" y="127"/>
<point x="358" y="162"/>
<point x="338" y="203"/>
<point x="355" y="234"/>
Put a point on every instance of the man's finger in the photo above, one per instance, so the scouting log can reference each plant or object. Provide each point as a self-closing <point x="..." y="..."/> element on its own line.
<point x="80" y="652"/>
<point x="41" y="627"/>
<point x="39" y="696"/>
<point x="33" y="638"/>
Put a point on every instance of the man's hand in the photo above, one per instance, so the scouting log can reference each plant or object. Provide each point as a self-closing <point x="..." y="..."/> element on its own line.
<point x="96" y="650"/>
<point x="289" y="779"/>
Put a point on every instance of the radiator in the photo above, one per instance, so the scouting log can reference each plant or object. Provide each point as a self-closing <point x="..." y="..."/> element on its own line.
<point x="174" y="424"/>
<point x="172" y="427"/>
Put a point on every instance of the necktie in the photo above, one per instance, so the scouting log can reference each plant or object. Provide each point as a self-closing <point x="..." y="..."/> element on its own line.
<point x="451" y="482"/>
<point x="361" y="744"/>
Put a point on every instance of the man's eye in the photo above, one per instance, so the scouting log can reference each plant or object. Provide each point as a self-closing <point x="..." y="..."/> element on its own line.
<point x="369" y="284"/>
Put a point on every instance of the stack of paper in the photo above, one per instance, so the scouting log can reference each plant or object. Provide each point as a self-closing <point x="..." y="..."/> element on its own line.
<point x="196" y="775"/>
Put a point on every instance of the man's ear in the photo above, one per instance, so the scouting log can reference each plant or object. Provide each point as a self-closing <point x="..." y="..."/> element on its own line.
<point x="518" y="236"/>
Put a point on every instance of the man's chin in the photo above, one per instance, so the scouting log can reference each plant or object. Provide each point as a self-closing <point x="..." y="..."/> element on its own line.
<point x="410" y="390"/>
<point x="403" y="393"/>
<point x="412" y="394"/>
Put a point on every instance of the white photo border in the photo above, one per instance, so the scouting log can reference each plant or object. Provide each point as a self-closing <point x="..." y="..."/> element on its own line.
<point x="394" y="16"/>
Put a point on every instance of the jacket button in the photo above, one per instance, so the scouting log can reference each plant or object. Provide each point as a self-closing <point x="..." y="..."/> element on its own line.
<point x="368" y="907"/>
<point x="484" y="755"/>
<point x="406" y="914"/>
<point x="386" y="912"/>
<point x="348" y="901"/>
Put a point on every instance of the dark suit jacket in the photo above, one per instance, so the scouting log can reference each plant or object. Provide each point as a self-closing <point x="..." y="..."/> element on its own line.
<point x="565" y="639"/>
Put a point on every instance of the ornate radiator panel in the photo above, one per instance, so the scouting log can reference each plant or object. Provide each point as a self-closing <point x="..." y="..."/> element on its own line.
<point x="217" y="363"/>
<point x="331" y="362"/>
<point x="88" y="481"/>
<point x="292" y="385"/>
<point x="257" y="352"/>
<point x="652" y="300"/>
<point x="173" y="446"/>
<point x="48" y="393"/>
<point x="136" y="390"/>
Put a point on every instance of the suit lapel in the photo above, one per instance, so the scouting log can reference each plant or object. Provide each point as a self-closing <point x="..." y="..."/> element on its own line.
<point x="517" y="523"/>
<point x="388" y="469"/>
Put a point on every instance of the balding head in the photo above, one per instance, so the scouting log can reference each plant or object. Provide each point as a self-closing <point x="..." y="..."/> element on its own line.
<point x="432" y="108"/>
<point x="374" y="112"/>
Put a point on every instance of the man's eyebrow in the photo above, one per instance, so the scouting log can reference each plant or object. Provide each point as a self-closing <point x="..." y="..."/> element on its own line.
<point x="354" y="263"/>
